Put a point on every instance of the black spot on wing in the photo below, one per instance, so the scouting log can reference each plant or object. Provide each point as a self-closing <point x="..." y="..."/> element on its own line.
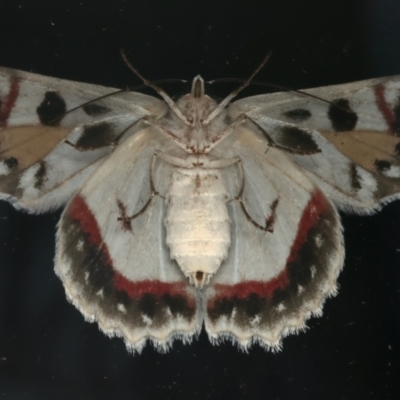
<point x="382" y="165"/>
<point x="342" y="117"/>
<point x="397" y="150"/>
<point x="148" y="304"/>
<point x="51" y="109"/>
<point x="298" y="114"/>
<point x="155" y="307"/>
<point x="354" y="177"/>
<point x="40" y="175"/>
<point x="11" y="162"/>
<point x="94" y="136"/>
<point x="95" y="110"/>
<point x="252" y="306"/>
<point x="396" y="112"/>
<point x="298" y="139"/>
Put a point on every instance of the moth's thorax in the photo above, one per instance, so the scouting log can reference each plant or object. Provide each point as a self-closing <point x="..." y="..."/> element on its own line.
<point x="196" y="109"/>
<point x="195" y="133"/>
<point x="197" y="222"/>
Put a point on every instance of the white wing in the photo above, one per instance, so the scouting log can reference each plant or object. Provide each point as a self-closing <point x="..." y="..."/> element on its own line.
<point x="38" y="169"/>
<point x="273" y="280"/>
<point x="116" y="269"/>
<point x="357" y="137"/>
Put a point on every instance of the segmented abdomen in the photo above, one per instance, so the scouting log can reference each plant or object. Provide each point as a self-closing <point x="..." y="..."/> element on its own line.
<point x="197" y="221"/>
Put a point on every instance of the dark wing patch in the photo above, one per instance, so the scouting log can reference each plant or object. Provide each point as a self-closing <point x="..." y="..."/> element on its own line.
<point x="40" y="175"/>
<point x="396" y="123"/>
<point x="95" y="136"/>
<point x="355" y="179"/>
<point x="11" y="162"/>
<point x="342" y="117"/>
<point x="397" y="150"/>
<point x="51" y="109"/>
<point x="298" y="114"/>
<point x="382" y="165"/>
<point x="298" y="140"/>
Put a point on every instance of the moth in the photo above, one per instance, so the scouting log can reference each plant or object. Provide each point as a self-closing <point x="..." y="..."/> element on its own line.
<point x="195" y="213"/>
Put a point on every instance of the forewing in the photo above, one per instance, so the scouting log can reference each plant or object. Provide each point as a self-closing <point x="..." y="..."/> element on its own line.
<point x="46" y="152"/>
<point x="272" y="281"/>
<point x="117" y="269"/>
<point x="350" y="145"/>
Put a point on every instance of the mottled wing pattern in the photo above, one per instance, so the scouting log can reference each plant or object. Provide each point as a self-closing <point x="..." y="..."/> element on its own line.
<point x="46" y="152"/>
<point x="118" y="270"/>
<point x="350" y="146"/>
<point x="273" y="281"/>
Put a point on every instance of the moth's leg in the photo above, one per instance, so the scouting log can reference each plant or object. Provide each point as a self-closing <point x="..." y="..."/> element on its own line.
<point x="227" y="131"/>
<point x="127" y="219"/>
<point x="186" y="163"/>
<point x="113" y="144"/>
<point x="194" y="162"/>
<point x="269" y="219"/>
<point x="183" y="145"/>
<point x="165" y="132"/>
<point x="175" y="161"/>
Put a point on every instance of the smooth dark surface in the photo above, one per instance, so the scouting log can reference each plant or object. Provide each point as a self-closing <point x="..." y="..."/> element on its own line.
<point x="48" y="351"/>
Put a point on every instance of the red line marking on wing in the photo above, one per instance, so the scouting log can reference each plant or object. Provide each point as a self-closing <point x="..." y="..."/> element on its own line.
<point x="154" y="287"/>
<point x="245" y="289"/>
<point x="316" y="206"/>
<point x="79" y="211"/>
<point x="9" y="102"/>
<point x="384" y="108"/>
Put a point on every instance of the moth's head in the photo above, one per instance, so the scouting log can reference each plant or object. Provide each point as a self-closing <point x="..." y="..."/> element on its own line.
<point x="196" y="106"/>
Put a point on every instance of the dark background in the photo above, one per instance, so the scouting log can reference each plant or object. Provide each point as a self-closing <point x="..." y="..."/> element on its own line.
<point x="48" y="351"/>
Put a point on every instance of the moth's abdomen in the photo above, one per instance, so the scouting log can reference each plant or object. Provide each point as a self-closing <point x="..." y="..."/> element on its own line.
<point x="197" y="222"/>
